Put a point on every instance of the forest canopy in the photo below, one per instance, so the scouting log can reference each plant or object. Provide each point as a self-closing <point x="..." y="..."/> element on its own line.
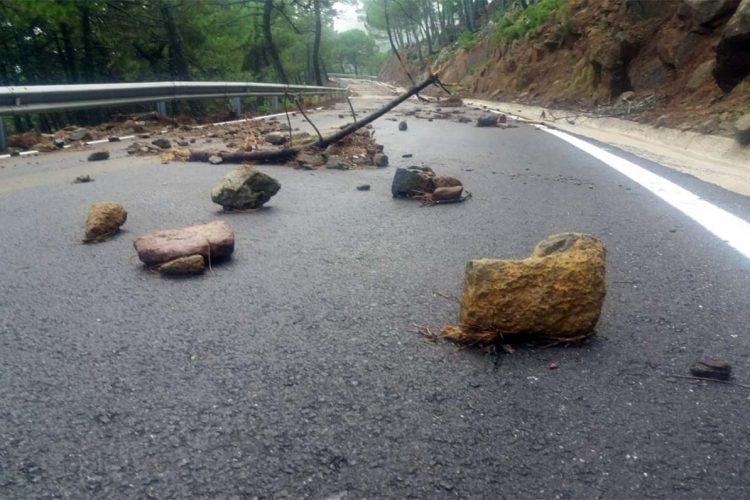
<point x="88" y="41"/>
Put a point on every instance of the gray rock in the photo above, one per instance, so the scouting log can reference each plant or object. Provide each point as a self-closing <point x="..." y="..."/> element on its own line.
<point x="99" y="156"/>
<point x="336" y="162"/>
<point x="706" y="12"/>
<point x="183" y="144"/>
<point x="409" y="182"/>
<point x="380" y="160"/>
<point x="314" y="159"/>
<point x="714" y="368"/>
<point x="162" y="143"/>
<point x="79" y="134"/>
<point x="14" y="151"/>
<point x="742" y="129"/>
<point x="215" y="159"/>
<point x="276" y="138"/>
<point x="244" y="188"/>
<point x="213" y="240"/>
<point x="81" y="179"/>
<point x="58" y="143"/>
<point x="113" y="138"/>
<point x="363" y="187"/>
<point x="402" y="126"/>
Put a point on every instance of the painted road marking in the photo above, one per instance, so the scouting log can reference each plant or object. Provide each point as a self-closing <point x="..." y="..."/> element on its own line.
<point x="726" y="226"/>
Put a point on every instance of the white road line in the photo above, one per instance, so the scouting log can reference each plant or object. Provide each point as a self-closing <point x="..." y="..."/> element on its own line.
<point x="726" y="226"/>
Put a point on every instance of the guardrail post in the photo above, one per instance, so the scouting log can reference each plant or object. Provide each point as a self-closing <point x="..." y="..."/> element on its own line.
<point x="236" y="106"/>
<point x="275" y="104"/>
<point x="2" y="133"/>
<point x="161" y="107"/>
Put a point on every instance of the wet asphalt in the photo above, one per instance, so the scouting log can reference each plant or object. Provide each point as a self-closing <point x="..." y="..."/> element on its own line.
<point x="293" y="370"/>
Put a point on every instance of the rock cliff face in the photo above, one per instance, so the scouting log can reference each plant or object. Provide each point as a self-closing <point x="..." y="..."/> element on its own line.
<point x="683" y="63"/>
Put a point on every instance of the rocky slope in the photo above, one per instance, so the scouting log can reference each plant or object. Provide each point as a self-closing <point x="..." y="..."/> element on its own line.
<point x="676" y="63"/>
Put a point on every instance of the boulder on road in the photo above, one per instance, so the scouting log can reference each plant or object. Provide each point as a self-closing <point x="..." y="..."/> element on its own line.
<point x="412" y="181"/>
<point x="162" y="143"/>
<point x="212" y="241"/>
<point x="103" y="221"/>
<point x="487" y="120"/>
<point x="244" y="188"/>
<point x="557" y="293"/>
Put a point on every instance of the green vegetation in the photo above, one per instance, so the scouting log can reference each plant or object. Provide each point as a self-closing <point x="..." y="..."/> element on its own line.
<point x="517" y="23"/>
<point x="467" y="40"/>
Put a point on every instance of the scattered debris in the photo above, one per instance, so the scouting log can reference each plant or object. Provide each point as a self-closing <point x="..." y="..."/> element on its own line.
<point x="445" y="194"/>
<point x="442" y="181"/>
<point x="244" y="188"/>
<point x="407" y="155"/>
<point x="81" y="179"/>
<point x="58" y="143"/>
<point x="141" y="148"/>
<point x="213" y="241"/>
<point x="14" y="151"/>
<point x="215" y="159"/>
<point x="363" y="187"/>
<point x="718" y="369"/>
<point x="452" y="102"/>
<point x="113" y="138"/>
<point x="162" y="143"/>
<point x="336" y="162"/>
<point x="99" y="156"/>
<point x="402" y="126"/>
<point x="464" y="119"/>
<point x="555" y="295"/>
<point x="103" y="221"/>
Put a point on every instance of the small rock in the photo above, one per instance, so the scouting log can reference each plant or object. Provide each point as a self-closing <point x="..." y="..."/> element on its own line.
<point x="742" y="129"/>
<point x="407" y="155"/>
<point x="183" y="144"/>
<point x="192" y="141"/>
<point x="183" y="266"/>
<point x="488" y="120"/>
<point x="81" y="179"/>
<point x="380" y="160"/>
<point x="336" y="162"/>
<point x="144" y="136"/>
<point x="104" y="220"/>
<point x="99" y="156"/>
<point x="314" y="159"/>
<point x="79" y="134"/>
<point x="14" y="152"/>
<point x="402" y="126"/>
<point x="213" y="241"/>
<point x="363" y="187"/>
<point x="244" y="188"/>
<point x="464" y="119"/>
<point x="714" y="368"/>
<point x="447" y="193"/>
<point x="276" y="138"/>
<point x="162" y="143"/>
<point x="215" y="159"/>
<point x="58" y="143"/>
<point x="553" y="366"/>
<point x="113" y="138"/>
<point x="445" y="181"/>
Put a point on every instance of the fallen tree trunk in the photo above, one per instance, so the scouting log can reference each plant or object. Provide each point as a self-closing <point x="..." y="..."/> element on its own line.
<point x="286" y="153"/>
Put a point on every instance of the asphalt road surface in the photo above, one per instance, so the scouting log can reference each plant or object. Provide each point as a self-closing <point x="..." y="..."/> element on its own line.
<point x="293" y="371"/>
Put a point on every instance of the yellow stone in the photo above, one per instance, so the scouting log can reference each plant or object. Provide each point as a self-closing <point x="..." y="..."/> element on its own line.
<point x="558" y="292"/>
<point x="104" y="220"/>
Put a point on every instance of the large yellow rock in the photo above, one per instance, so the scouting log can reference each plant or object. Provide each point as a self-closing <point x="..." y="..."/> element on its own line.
<point x="557" y="293"/>
<point x="103" y="221"/>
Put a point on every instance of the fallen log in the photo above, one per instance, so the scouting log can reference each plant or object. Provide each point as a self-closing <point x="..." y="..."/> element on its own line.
<point x="322" y="143"/>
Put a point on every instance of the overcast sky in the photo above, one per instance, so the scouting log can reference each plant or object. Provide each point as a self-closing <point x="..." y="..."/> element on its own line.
<point x="347" y="17"/>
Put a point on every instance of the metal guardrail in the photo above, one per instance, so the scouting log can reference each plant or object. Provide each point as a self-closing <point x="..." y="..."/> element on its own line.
<point x="53" y="98"/>
<point x="353" y="77"/>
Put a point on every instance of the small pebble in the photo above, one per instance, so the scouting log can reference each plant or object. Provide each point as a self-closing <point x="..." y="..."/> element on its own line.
<point x="363" y="187"/>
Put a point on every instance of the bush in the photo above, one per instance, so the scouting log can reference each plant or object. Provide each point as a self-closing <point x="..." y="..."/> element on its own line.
<point x="467" y="40"/>
<point x="516" y="24"/>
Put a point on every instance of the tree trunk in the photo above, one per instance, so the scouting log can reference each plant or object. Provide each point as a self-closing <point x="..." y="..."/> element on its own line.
<point x="87" y="66"/>
<point x="316" y="44"/>
<point x="178" y="66"/>
<point x="268" y="42"/>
